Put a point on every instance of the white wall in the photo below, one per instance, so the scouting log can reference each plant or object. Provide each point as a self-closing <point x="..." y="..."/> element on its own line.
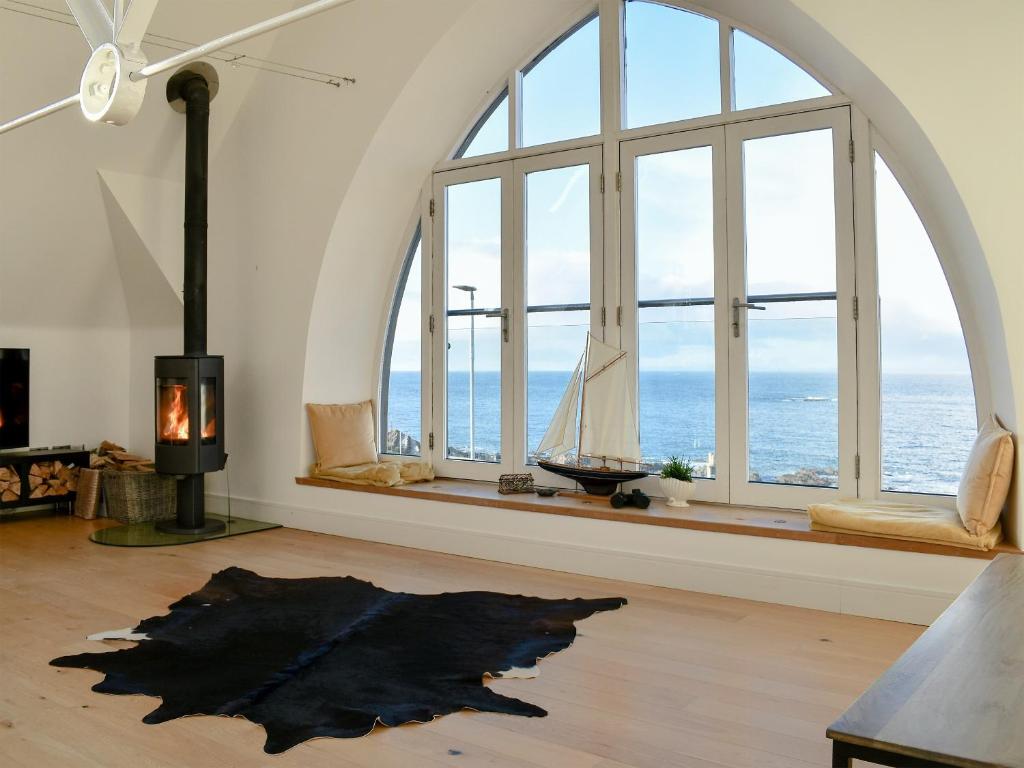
<point x="64" y="289"/>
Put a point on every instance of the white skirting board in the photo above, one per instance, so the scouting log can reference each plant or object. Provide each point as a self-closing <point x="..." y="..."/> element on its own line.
<point x="899" y="586"/>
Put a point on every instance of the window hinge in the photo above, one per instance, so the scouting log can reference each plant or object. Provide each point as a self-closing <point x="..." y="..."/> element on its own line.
<point x="853" y="154"/>
<point x="618" y="181"/>
<point x="856" y="466"/>
<point x="618" y="316"/>
<point x="431" y="207"/>
<point x="604" y="317"/>
<point x="430" y="440"/>
<point x="602" y="183"/>
<point x="430" y="324"/>
<point x="856" y="308"/>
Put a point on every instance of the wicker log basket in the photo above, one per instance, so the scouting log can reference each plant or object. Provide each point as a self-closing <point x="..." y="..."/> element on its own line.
<point x="87" y="500"/>
<point x="139" y="497"/>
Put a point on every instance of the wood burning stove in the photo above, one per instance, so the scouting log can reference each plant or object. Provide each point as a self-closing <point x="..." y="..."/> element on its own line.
<point x="189" y="422"/>
<point x="189" y="388"/>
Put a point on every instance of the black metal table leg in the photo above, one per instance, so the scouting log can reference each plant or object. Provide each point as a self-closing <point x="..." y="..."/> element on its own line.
<point x="842" y="756"/>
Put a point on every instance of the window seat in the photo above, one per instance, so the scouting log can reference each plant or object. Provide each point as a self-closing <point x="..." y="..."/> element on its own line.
<point x="700" y="516"/>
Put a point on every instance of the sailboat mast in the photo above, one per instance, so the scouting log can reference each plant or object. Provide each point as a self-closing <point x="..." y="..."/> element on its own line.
<point x="583" y="400"/>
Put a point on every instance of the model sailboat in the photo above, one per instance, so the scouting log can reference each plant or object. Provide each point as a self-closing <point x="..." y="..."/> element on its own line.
<point x="596" y="421"/>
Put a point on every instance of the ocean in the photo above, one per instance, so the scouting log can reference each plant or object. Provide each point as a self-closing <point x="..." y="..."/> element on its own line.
<point x="928" y="422"/>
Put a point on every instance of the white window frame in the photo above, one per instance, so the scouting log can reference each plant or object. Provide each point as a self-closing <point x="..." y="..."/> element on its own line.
<point x="468" y="469"/>
<point x="869" y="322"/>
<point x="592" y="157"/>
<point x="716" y="489"/>
<point x="743" y="491"/>
<point x="865" y="450"/>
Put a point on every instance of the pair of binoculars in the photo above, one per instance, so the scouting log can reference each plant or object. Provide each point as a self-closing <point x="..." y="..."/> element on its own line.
<point x="637" y="499"/>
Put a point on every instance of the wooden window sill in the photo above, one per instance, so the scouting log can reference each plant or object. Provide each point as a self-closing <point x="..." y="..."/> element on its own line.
<point x="699" y="516"/>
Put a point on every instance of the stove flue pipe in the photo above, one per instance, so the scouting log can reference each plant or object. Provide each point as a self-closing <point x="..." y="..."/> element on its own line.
<point x="194" y="90"/>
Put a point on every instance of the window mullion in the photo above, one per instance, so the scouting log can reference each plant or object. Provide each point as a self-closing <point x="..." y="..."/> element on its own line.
<point x="726" y="66"/>
<point x="515" y="110"/>
<point x="869" y="413"/>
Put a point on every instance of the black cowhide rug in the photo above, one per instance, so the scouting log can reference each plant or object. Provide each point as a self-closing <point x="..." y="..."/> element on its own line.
<point x="333" y="656"/>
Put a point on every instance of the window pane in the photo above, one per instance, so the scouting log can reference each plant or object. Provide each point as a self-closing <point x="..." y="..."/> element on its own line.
<point x="763" y="76"/>
<point x="491" y="133"/>
<point x="473" y="249"/>
<point x="676" y="261"/>
<point x="402" y="433"/>
<point x="557" y="274"/>
<point x="562" y="90"/>
<point x="928" y="411"/>
<point x="672" y="65"/>
<point x="793" y="401"/>
<point x="789" y="202"/>
<point x="792" y="408"/>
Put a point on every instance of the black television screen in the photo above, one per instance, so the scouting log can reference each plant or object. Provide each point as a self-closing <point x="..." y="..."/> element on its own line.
<point x="13" y="398"/>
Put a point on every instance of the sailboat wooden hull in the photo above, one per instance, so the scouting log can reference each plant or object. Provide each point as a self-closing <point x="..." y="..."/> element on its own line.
<point x="599" y="481"/>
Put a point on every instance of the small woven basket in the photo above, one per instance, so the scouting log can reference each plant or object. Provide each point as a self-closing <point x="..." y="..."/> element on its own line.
<point x="87" y="499"/>
<point x="521" y="483"/>
<point x="139" y="497"/>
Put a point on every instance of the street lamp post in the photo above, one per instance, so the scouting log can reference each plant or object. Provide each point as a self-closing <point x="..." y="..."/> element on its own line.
<point x="471" y="290"/>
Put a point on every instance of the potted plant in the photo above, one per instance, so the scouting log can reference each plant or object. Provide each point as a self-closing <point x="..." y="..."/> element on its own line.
<point x="677" y="482"/>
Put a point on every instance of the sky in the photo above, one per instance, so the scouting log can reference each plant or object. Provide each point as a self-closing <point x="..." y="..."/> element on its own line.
<point x="672" y="74"/>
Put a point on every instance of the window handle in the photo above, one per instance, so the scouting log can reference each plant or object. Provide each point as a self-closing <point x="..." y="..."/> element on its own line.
<point x="737" y="305"/>
<point x="503" y="314"/>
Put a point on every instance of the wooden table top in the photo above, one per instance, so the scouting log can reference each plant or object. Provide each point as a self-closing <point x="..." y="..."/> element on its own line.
<point x="957" y="694"/>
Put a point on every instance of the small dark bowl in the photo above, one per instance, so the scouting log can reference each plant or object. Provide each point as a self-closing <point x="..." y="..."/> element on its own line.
<point x="545" y="491"/>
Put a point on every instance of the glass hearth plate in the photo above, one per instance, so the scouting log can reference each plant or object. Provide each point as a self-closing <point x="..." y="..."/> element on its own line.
<point x="147" y="535"/>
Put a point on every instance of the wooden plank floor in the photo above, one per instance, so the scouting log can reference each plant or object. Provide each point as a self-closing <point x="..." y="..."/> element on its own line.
<point x="673" y="679"/>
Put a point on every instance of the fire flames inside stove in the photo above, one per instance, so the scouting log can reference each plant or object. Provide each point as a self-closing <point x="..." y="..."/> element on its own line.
<point x="172" y="412"/>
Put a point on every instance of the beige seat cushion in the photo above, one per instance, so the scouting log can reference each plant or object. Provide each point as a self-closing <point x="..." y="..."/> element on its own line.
<point x="415" y="471"/>
<point x="986" y="479"/>
<point x="343" y="435"/>
<point x="385" y="473"/>
<point x="895" y="520"/>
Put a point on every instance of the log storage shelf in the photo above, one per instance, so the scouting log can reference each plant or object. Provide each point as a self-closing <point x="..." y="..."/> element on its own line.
<point x="40" y="476"/>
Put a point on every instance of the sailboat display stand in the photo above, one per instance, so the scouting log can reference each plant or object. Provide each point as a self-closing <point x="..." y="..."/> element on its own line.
<point x="595" y="420"/>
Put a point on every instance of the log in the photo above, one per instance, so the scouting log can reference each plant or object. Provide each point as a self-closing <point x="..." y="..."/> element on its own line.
<point x="9" y="495"/>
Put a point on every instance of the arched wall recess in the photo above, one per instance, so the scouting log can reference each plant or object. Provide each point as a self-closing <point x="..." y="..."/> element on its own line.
<point x="781" y="22"/>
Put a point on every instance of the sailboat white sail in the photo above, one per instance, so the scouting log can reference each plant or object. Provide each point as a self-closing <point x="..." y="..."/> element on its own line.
<point x="560" y="439"/>
<point x="599" y="393"/>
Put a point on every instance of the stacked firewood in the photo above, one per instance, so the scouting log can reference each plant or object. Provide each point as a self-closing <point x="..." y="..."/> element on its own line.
<point x="10" y="484"/>
<point x="51" y="478"/>
<point x="113" y="456"/>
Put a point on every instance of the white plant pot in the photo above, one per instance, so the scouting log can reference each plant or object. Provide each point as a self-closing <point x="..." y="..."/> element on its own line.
<point x="677" y="491"/>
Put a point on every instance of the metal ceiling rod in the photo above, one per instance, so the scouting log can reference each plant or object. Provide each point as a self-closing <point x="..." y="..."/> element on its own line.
<point x="57" y="106"/>
<point x="190" y="55"/>
<point x="241" y="35"/>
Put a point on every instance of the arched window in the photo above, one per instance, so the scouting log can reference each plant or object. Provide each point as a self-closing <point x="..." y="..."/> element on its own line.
<point x="401" y="382"/>
<point x="490" y="134"/>
<point x="732" y="282"/>
<point x="927" y="399"/>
